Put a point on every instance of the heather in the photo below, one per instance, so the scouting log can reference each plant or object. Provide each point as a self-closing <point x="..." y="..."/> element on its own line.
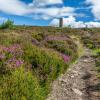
<point x="10" y="58"/>
<point x="31" y="59"/>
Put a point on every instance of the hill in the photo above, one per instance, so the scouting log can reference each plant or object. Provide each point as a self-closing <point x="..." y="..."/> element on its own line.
<point x="31" y="58"/>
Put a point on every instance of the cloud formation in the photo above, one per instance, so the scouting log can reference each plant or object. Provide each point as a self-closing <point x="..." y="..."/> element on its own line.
<point x="71" y="21"/>
<point x="38" y="9"/>
<point x="46" y="2"/>
<point x="17" y="7"/>
<point x="55" y="12"/>
<point x="95" y="6"/>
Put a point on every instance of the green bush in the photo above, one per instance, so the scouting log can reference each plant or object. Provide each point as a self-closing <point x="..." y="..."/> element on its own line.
<point x="61" y="46"/>
<point x="41" y="64"/>
<point x="37" y="36"/>
<point x="45" y="63"/>
<point x="20" y="85"/>
<point x="7" y="24"/>
<point x="64" y="47"/>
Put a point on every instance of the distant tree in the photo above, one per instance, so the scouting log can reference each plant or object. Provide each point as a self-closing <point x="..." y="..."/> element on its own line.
<point x="7" y="24"/>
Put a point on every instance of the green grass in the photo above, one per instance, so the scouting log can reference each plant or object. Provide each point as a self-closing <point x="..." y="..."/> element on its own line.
<point x="20" y="85"/>
<point x="96" y="51"/>
<point x="96" y="54"/>
<point x="92" y="41"/>
<point x="42" y="55"/>
<point x="27" y="69"/>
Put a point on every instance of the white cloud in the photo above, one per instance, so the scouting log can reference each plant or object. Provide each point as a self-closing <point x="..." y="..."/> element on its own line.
<point x="17" y="7"/>
<point x="42" y="16"/>
<point x="66" y="21"/>
<point x="95" y="5"/>
<point x="46" y="2"/>
<point x="71" y="21"/>
<point x="55" y="12"/>
<point x="66" y="11"/>
<point x="14" y="7"/>
<point x="93" y="24"/>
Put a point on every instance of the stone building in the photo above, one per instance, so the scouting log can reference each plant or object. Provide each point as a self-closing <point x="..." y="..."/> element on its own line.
<point x="61" y="22"/>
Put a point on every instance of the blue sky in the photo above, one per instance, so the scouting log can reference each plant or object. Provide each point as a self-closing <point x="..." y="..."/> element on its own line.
<point x="47" y="12"/>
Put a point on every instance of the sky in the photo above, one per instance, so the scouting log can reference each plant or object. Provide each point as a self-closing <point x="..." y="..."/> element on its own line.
<point x="75" y="13"/>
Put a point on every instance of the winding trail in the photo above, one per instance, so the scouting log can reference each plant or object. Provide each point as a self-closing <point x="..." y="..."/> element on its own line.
<point x="79" y="82"/>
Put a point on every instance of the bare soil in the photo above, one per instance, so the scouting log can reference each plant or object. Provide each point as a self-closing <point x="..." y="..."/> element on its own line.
<point x="79" y="82"/>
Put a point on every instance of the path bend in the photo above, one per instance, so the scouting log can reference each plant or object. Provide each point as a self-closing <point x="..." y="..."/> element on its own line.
<point x="79" y="82"/>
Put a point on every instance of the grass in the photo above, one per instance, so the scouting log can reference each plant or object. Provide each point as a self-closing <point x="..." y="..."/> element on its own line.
<point x="20" y="85"/>
<point x="92" y="41"/>
<point x="96" y="51"/>
<point x="29" y="63"/>
<point x="96" y="54"/>
<point x="31" y="58"/>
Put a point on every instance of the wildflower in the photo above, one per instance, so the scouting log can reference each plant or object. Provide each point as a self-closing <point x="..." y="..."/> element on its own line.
<point x="2" y="56"/>
<point x="19" y="63"/>
<point x="13" y="54"/>
<point x="65" y="58"/>
<point x="49" y="38"/>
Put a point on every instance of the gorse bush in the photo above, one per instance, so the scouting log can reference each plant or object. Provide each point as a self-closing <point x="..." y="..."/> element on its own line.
<point x="7" y="24"/>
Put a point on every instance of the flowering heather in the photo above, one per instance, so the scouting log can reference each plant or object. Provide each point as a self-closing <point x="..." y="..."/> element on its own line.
<point x="2" y="56"/>
<point x="65" y="58"/>
<point x="49" y="38"/>
<point x="19" y="63"/>
<point x="14" y="49"/>
<point x="13" y="55"/>
<point x="13" y="62"/>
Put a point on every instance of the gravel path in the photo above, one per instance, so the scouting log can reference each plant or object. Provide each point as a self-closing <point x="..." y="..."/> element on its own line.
<point x="79" y="83"/>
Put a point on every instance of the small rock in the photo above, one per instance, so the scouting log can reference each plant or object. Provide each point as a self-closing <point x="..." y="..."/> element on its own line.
<point x="77" y="91"/>
<point x="72" y="76"/>
<point x="85" y="60"/>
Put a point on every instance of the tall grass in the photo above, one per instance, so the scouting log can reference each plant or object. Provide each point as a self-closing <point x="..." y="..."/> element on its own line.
<point x="27" y="69"/>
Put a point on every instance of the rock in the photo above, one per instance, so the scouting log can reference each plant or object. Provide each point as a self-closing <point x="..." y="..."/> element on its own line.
<point x="77" y="91"/>
<point x="85" y="60"/>
<point x="72" y="76"/>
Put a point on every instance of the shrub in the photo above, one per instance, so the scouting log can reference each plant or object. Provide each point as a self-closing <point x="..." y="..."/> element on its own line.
<point x="7" y="24"/>
<point x="65" y="47"/>
<point x="32" y="68"/>
<point x="10" y="58"/>
<point x="45" y="63"/>
<point x="37" y="36"/>
<point x="61" y="46"/>
<point x="20" y="85"/>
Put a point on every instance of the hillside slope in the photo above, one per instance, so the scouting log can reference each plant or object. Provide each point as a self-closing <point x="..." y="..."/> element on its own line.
<point x="31" y="58"/>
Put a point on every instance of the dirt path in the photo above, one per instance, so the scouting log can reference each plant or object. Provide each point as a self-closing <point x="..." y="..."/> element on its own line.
<point x="79" y="83"/>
